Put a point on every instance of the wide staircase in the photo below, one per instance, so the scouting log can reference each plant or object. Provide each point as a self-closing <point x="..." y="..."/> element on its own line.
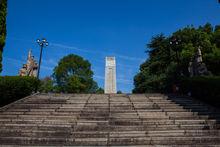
<point x="109" y="120"/>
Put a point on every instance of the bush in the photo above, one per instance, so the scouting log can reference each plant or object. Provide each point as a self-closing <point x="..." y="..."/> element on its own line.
<point x="205" y="88"/>
<point x="13" y="88"/>
<point x="46" y="85"/>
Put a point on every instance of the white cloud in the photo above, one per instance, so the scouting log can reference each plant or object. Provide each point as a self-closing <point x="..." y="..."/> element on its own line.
<point x="128" y="57"/>
<point x="124" y="81"/>
<point x="50" y="61"/>
<point x="99" y="77"/>
<point x="63" y="46"/>
<point x="96" y="52"/>
<point x="14" y="61"/>
<point x="58" y="45"/>
<point x="47" y="67"/>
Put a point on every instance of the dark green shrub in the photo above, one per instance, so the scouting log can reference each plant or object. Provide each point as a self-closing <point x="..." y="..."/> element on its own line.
<point x="205" y="88"/>
<point x="13" y="88"/>
<point x="46" y="85"/>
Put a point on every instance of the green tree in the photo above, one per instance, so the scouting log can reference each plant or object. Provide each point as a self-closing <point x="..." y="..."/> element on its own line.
<point x="73" y="74"/>
<point x="119" y="92"/>
<point x="3" y="13"/>
<point x="100" y="91"/>
<point x="162" y="68"/>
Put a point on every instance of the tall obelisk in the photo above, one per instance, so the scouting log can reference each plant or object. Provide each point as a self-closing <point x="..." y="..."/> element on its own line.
<point x="110" y="75"/>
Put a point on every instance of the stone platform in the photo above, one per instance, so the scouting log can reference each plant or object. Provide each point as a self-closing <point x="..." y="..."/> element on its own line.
<point x="109" y="120"/>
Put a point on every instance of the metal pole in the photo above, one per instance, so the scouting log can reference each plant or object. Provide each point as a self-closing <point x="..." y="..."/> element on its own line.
<point x="41" y="49"/>
<point x="177" y="57"/>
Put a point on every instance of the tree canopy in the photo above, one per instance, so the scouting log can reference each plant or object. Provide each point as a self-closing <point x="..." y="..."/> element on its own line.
<point x="73" y="74"/>
<point x="3" y="13"/>
<point x="160" y="69"/>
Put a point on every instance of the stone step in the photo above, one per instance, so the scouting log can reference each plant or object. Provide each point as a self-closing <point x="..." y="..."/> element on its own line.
<point x="127" y="134"/>
<point x="91" y="141"/>
<point x="183" y="133"/>
<point x="125" y="122"/>
<point x="164" y="141"/>
<point x="43" y="114"/>
<point x="125" y="141"/>
<point x="123" y="115"/>
<point x="35" y="141"/>
<point x="147" y="117"/>
<point x="175" y="110"/>
<point x="178" y="127"/>
<point x="181" y="113"/>
<point x="93" y="118"/>
<point x="170" y="107"/>
<point x="178" y="122"/>
<point x="116" y="128"/>
<point x="47" y="117"/>
<point x="91" y="128"/>
<point x="192" y="117"/>
<point x="70" y="110"/>
<point x="130" y="111"/>
<point x="98" y="114"/>
<point x="206" y="140"/>
<point x="111" y="122"/>
<point x="34" y="133"/>
<point x="195" y="121"/>
<point x="40" y="106"/>
<point x="81" y="121"/>
<point x="90" y="134"/>
<point x="48" y="127"/>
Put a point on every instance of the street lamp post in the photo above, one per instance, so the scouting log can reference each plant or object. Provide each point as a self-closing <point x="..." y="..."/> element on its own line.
<point x="42" y="43"/>
<point x="175" y="42"/>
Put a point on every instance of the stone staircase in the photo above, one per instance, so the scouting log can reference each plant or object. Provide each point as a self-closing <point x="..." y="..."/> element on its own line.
<point x="109" y="120"/>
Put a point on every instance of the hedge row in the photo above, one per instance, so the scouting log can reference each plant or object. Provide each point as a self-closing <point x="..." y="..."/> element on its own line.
<point x="205" y="88"/>
<point x="13" y="88"/>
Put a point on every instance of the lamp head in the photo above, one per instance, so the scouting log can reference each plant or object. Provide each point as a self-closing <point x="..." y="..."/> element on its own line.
<point x="44" y="40"/>
<point x="38" y="40"/>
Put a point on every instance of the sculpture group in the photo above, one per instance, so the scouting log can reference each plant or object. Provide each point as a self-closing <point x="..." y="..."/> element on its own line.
<point x="30" y="68"/>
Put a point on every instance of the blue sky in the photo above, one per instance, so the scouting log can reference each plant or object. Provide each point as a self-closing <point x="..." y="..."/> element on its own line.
<point x="94" y="29"/>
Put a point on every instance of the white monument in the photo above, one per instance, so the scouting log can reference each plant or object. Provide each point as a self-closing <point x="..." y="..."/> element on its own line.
<point x="110" y="75"/>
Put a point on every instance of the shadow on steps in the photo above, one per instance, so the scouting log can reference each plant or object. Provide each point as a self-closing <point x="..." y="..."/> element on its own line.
<point x="203" y="109"/>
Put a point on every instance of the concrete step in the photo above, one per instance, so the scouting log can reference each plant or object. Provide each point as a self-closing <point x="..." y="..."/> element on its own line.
<point x="93" y="118"/>
<point x="91" y="141"/>
<point x="206" y="140"/>
<point x="90" y="134"/>
<point x="178" y="127"/>
<point x="48" y="127"/>
<point x="34" y="133"/>
<point x="125" y="122"/>
<point x="119" y="128"/>
<point x="35" y="141"/>
<point x="192" y="133"/>
<point x="181" y="114"/>
<point x="125" y="141"/>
